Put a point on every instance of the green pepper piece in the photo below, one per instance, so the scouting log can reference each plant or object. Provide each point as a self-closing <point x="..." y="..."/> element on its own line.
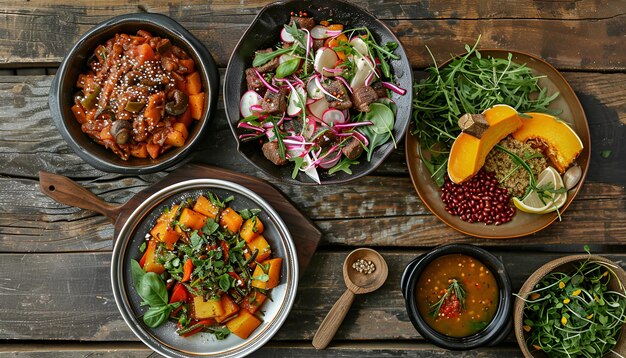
<point x="135" y="107"/>
<point x="89" y="102"/>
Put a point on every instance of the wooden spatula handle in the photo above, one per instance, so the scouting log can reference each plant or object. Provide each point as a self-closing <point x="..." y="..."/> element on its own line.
<point x="66" y="191"/>
<point x="331" y="323"/>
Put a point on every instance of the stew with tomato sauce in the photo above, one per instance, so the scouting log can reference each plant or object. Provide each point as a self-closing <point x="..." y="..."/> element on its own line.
<point x="457" y="295"/>
<point x="140" y="95"/>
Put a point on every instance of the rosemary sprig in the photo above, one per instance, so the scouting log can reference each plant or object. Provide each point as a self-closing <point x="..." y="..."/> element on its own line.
<point x="455" y="287"/>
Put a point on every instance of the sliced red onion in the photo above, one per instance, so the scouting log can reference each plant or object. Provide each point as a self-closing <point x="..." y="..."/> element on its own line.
<point x="298" y="80"/>
<point x="332" y="70"/>
<point x="327" y="164"/>
<point x="361" y="138"/>
<point x="345" y="83"/>
<point x="256" y="108"/>
<point x="319" y="84"/>
<point x="393" y="87"/>
<point x="250" y="126"/>
<point x="333" y="33"/>
<point x="370" y="78"/>
<point x="309" y="45"/>
<point x="248" y="135"/>
<point x="351" y="125"/>
<point x="268" y="125"/>
<point x="267" y="85"/>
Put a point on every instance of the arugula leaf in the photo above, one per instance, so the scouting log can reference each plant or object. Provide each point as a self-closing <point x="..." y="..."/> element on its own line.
<point x="261" y="58"/>
<point x="299" y="163"/>
<point x="343" y="165"/>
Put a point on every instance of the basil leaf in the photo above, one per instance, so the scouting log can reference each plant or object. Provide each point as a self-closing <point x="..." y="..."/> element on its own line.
<point x="137" y="272"/>
<point x="225" y="282"/>
<point x="287" y="68"/>
<point x="262" y="277"/>
<point x="155" y="316"/>
<point x="152" y="289"/>
<point x="210" y="227"/>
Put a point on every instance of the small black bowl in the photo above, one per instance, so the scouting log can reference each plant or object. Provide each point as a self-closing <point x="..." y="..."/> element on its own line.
<point x="500" y="325"/>
<point x="75" y="63"/>
<point x="264" y="33"/>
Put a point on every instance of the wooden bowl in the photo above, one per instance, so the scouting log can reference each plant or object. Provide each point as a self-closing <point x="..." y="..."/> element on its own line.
<point x="563" y="264"/>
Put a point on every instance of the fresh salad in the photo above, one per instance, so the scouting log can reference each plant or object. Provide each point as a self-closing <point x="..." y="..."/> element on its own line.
<point x="207" y="267"/>
<point x="321" y="97"/>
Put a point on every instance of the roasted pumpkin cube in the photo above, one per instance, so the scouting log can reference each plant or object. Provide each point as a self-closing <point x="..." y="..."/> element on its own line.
<point x="230" y="308"/>
<point x="253" y="301"/>
<point x="231" y="220"/>
<point x="192" y="219"/>
<point x="207" y="309"/>
<point x="194" y="83"/>
<point x="273" y="274"/>
<point x="150" y="264"/>
<point x="252" y="228"/>
<point x="164" y="232"/>
<point x="243" y="324"/>
<point x="206" y="207"/>
<point x="175" y="139"/>
<point x="260" y="244"/>
<point x="139" y="150"/>
<point x="196" y="102"/>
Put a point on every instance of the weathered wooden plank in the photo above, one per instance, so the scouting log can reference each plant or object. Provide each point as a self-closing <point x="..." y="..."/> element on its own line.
<point x="271" y="349"/>
<point x="28" y="135"/>
<point x="354" y="214"/>
<point x="43" y="34"/>
<point x="68" y="297"/>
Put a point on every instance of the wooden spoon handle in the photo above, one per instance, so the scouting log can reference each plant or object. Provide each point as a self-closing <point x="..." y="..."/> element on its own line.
<point x="66" y="191"/>
<point x="331" y="323"/>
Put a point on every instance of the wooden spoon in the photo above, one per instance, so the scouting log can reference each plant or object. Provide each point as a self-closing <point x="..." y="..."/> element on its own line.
<point x="357" y="283"/>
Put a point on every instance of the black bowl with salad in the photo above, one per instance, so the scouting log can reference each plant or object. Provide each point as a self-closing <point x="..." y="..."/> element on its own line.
<point x="317" y="93"/>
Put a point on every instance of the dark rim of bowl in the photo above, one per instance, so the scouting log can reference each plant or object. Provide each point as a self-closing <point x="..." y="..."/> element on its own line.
<point x="500" y="324"/>
<point x="228" y="75"/>
<point x="205" y="64"/>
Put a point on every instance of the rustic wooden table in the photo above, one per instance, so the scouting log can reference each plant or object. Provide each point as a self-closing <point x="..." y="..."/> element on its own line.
<point x="55" y="291"/>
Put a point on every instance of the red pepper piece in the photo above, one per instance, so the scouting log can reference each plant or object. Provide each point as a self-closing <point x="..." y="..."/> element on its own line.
<point x="187" y="269"/>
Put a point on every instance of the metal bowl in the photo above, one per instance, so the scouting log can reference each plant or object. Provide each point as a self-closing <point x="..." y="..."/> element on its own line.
<point x="64" y="86"/>
<point x="264" y="32"/>
<point x="164" y="338"/>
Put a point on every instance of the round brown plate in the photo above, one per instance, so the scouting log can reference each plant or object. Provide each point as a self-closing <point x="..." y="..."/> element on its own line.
<point x="522" y="223"/>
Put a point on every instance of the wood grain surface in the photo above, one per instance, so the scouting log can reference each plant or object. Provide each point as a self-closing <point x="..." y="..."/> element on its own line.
<point x="55" y="293"/>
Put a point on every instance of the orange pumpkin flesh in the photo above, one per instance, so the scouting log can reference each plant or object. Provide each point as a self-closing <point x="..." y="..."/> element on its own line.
<point x="468" y="153"/>
<point x="563" y="144"/>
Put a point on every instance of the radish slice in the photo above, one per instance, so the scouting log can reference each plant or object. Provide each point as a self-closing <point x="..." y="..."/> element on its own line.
<point x="333" y="116"/>
<point x="309" y="128"/>
<point x="325" y="57"/>
<point x="286" y="36"/>
<point x="331" y="163"/>
<point x="364" y="66"/>
<point x="359" y="45"/>
<point x="318" y="32"/>
<point x="294" y="107"/>
<point x="249" y="99"/>
<point x="313" y="89"/>
<point x="318" y="107"/>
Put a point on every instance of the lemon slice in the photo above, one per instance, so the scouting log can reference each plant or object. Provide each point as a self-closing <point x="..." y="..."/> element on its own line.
<point x="533" y="204"/>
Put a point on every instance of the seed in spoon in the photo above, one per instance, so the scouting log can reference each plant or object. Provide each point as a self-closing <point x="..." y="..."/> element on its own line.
<point x="364" y="266"/>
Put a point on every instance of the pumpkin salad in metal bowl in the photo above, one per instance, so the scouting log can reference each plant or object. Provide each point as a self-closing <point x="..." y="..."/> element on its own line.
<point x="207" y="267"/>
<point x="495" y="141"/>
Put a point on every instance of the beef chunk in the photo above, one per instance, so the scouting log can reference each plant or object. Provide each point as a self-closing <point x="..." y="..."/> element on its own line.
<point x="271" y="152"/>
<point x="253" y="81"/>
<point x="327" y="139"/>
<point x="338" y="90"/>
<point x="381" y="91"/>
<point x="352" y="148"/>
<point x="275" y="103"/>
<point x="271" y="65"/>
<point x="293" y="126"/>
<point x="317" y="44"/>
<point x="362" y="97"/>
<point x="303" y="22"/>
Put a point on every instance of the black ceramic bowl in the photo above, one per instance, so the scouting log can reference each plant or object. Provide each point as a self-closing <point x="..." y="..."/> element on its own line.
<point x="499" y="326"/>
<point x="75" y="63"/>
<point x="264" y="33"/>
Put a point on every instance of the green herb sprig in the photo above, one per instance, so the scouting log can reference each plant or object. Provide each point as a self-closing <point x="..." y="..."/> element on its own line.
<point x="153" y="292"/>
<point x="455" y="287"/>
